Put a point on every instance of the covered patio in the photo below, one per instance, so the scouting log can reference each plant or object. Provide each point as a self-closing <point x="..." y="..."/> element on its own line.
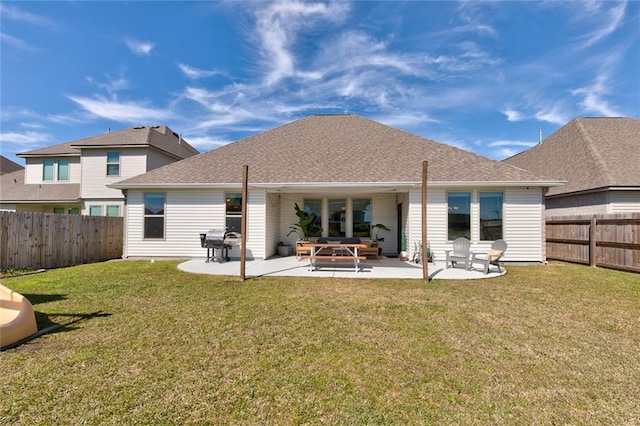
<point x="289" y="266"/>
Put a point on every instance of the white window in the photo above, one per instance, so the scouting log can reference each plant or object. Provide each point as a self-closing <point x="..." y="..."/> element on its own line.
<point x="63" y="169"/>
<point x="95" y="210"/>
<point x="55" y="170"/>
<point x="113" y="163"/>
<point x="47" y="170"/>
<point x="113" y="211"/>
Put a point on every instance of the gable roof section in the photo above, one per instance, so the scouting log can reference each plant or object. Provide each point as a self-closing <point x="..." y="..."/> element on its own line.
<point x="15" y="191"/>
<point x="589" y="153"/>
<point x="158" y="137"/>
<point x="332" y="149"/>
<point x="8" y="166"/>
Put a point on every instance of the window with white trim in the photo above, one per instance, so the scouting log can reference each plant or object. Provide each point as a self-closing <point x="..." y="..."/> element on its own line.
<point x="113" y="211"/>
<point x="491" y="216"/>
<point x="113" y="163"/>
<point x="154" y="214"/>
<point x="47" y="170"/>
<point x="459" y="215"/>
<point x="95" y="210"/>
<point x="233" y="211"/>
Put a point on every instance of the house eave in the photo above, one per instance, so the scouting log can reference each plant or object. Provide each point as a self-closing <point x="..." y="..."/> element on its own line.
<point x="59" y="201"/>
<point x="48" y="155"/>
<point x="296" y="186"/>
<point x="595" y="190"/>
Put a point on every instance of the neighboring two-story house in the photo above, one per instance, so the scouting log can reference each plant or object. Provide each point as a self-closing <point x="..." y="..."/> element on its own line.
<point x="72" y="177"/>
<point x="598" y="157"/>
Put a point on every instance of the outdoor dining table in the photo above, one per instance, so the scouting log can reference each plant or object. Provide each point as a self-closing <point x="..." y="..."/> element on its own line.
<point x="334" y="252"/>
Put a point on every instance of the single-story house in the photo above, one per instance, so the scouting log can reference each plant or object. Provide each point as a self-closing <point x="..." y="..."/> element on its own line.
<point x="351" y="172"/>
<point x="599" y="158"/>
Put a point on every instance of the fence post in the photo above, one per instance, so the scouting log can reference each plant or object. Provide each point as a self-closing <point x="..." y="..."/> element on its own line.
<point x="592" y="242"/>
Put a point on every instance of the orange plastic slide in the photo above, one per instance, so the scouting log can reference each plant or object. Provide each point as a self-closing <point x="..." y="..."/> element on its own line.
<point x="17" y="319"/>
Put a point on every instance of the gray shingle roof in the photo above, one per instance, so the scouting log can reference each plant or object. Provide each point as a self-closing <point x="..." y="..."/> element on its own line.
<point x="336" y="149"/>
<point x="14" y="190"/>
<point x="8" y="166"/>
<point x="159" y="137"/>
<point x="589" y="153"/>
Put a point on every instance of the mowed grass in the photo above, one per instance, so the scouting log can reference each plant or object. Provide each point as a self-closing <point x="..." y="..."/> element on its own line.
<point x="148" y="344"/>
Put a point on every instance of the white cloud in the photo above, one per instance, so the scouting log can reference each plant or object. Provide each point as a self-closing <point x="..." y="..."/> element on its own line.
<point x="139" y="47"/>
<point x="593" y="97"/>
<point x="608" y="21"/>
<point x="28" y="138"/>
<point x="405" y="119"/>
<point x="503" y="153"/>
<point x="16" y="14"/>
<point x="206" y="143"/>
<point x="277" y="28"/>
<point x="553" y="114"/>
<point x="507" y="143"/>
<point x="113" y="84"/>
<point x="16" y="42"/>
<point x="125" y="112"/>
<point x="196" y="73"/>
<point x="513" y="115"/>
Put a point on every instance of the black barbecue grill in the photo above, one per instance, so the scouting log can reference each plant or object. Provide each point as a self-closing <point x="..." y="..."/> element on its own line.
<point x="220" y="240"/>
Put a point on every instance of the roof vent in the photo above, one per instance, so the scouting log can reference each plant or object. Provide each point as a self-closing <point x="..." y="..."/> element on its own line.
<point x="139" y="127"/>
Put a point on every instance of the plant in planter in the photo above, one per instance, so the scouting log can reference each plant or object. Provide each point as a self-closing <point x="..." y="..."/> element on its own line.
<point x="284" y="249"/>
<point x="306" y="226"/>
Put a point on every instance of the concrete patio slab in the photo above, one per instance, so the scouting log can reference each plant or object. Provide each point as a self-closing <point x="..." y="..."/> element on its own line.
<point x="289" y="266"/>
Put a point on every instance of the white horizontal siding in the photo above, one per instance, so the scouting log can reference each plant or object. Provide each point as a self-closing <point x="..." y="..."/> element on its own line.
<point x="624" y="201"/>
<point x="94" y="171"/>
<point x="256" y="224"/>
<point x="272" y="227"/>
<point x="523" y="224"/>
<point x="188" y="214"/>
<point x="436" y="221"/>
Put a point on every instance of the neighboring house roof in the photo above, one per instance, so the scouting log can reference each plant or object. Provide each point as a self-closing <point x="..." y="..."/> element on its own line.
<point x="158" y="137"/>
<point x="15" y="191"/>
<point x="332" y="149"/>
<point x="8" y="166"/>
<point x="589" y="153"/>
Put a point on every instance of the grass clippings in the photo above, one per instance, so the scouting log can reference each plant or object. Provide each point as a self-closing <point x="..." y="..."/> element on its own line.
<point x="148" y="344"/>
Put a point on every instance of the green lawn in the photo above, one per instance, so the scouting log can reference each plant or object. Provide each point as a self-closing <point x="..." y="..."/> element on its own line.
<point x="148" y="344"/>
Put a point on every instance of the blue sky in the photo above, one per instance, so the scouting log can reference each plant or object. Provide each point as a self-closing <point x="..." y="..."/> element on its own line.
<point x="483" y="76"/>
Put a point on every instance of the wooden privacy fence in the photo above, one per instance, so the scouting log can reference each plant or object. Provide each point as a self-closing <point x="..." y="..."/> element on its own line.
<point x="46" y="240"/>
<point x="609" y="240"/>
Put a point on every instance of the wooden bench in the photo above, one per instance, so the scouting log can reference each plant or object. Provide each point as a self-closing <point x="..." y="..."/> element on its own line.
<point x="314" y="260"/>
<point x="369" y="252"/>
<point x="302" y="249"/>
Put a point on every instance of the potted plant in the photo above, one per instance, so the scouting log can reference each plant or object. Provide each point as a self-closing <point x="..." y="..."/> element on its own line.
<point x="284" y="249"/>
<point x="379" y="227"/>
<point x="306" y="226"/>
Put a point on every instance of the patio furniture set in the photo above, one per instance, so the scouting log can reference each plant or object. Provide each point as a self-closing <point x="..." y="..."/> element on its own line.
<point x="462" y="253"/>
<point x="345" y="249"/>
